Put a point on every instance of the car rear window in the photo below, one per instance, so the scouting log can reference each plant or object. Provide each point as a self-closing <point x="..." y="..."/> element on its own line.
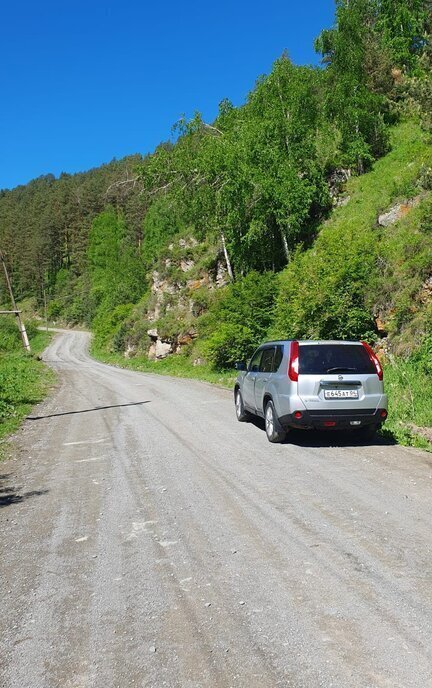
<point x="321" y="359"/>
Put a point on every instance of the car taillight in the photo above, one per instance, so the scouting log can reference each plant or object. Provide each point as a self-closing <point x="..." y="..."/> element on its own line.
<point x="293" y="365"/>
<point x="374" y="358"/>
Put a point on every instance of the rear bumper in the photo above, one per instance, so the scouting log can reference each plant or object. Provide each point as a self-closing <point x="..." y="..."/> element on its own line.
<point x="334" y="419"/>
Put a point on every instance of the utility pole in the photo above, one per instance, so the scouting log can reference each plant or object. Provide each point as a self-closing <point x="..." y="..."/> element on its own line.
<point x="21" y="326"/>
<point x="45" y="309"/>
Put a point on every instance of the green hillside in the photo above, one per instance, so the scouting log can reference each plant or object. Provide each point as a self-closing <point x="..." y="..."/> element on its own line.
<point x="358" y="271"/>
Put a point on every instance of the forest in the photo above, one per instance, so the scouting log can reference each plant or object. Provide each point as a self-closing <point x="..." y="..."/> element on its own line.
<point x="306" y="212"/>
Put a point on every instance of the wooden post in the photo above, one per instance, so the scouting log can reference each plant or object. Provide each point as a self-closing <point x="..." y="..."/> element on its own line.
<point x="21" y="326"/>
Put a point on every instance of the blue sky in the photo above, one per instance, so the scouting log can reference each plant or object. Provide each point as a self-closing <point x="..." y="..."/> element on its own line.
<point x="83" y="82"/>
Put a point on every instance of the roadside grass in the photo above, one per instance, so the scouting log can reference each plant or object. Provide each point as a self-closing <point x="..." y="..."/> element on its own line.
<point x="24" y="382"/>
<point x="176" y="366"/>
<point x="410" y="404"/>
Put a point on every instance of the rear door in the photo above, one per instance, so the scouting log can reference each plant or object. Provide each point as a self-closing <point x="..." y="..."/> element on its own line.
<point x="266" y="368"/>
<point x="337" y="376"/>
<point x="248" y="386"/>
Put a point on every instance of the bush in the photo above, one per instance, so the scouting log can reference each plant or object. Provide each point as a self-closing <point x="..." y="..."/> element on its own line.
<point x="238" y="320"/>
<point x="109" y="321"/>
<point x="10" y="338"/>
<point x="322" y="293"/>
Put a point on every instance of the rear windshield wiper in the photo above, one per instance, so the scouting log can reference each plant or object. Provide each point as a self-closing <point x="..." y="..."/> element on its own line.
<point x="341" y="370"/>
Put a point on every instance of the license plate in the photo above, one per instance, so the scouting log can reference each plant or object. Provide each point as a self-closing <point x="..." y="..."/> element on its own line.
<point x="341" y="394"/>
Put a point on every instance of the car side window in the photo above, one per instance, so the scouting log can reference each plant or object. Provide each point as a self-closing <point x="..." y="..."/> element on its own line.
<point x="255" y="361"/>
<point x="277" y="359"/>
<point x="267" y="360"/>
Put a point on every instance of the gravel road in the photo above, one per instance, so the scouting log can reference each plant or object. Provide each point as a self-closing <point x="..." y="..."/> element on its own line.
<point x="149" y="539"/>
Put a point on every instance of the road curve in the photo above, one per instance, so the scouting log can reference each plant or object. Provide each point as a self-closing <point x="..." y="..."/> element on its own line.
<point x="148" y="539"/>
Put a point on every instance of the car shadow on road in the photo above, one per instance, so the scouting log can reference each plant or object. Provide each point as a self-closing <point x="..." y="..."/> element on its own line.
<point x="330" y="438"/>
<point x="10" y="494"/>
<point x="96" y="408"/>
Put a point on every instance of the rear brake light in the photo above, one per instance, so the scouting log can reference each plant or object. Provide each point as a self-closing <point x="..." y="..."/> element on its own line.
<point x="298" y="415"/>
<point x="383" y="413"/>
<point x="293" y="365"/>
<point x="373" y="357"/>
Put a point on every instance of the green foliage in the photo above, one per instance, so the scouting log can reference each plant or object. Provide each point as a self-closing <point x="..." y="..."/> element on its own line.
<point x="160" y="224"/>
<point x="403" y="26"/>
<point x="44" y="225"/>
<point x="416" y="90"/>
<point x="253" y="179"/>
<point x="322" y="293"/>
<point x="10" y="338"/>
<point x="358" y="79"/>
<point x="115" y="268"/>
<point x="426" y="217"/>
<point x="422" y="359"/>
<point x="396" y="289"/>
<point x="331" y="291"/>
<point x="108" y="321"/>
<point x="116" y="274"/>
<point x="239" y="319"/>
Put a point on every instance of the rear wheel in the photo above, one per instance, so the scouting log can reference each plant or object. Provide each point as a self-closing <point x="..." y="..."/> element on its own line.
<point x="242" y="415"/>
<point x="368" y="432"/>
<point x="274" y="430"/>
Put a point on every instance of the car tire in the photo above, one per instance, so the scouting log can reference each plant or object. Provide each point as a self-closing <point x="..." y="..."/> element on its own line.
<point x="274" y="430"/>
<point x="242" y="415"/>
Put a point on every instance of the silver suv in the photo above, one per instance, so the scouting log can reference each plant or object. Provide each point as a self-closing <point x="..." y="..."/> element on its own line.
<point x="334" y="385"/>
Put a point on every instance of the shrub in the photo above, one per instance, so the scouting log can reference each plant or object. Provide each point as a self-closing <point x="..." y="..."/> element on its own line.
<point x="238" y="320"/>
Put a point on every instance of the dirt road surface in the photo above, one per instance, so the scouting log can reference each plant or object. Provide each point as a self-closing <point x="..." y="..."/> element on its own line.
<point x="149" y="539"/>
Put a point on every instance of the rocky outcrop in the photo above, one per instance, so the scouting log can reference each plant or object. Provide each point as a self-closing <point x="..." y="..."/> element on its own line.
<point x="425" y="295"/>
<point x="158" y="348"/>
<point x="397" y="212"/>
<point x="180" y="291"/>
<point x="159" y="287"/>
<point x="222" y="277"/>
<point x="186" y="265"/>
<point x="336" y="183"/>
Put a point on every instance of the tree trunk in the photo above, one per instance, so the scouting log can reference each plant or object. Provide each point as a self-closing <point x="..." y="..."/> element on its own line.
<point x="285" y="245"/>
<point x="227" y="258"/>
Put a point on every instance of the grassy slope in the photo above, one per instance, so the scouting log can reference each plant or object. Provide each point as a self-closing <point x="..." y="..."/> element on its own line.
<point x="24" y="381"/>
<point x="354" y="225"/>
<point x="330" y="290"/>
<point x="392" y="177"/>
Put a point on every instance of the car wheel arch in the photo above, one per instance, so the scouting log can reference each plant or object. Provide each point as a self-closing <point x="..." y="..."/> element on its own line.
<point x="267" y="397"/>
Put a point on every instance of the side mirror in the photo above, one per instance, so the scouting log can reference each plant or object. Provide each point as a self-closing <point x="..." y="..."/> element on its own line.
<point x="240" y="365"/>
